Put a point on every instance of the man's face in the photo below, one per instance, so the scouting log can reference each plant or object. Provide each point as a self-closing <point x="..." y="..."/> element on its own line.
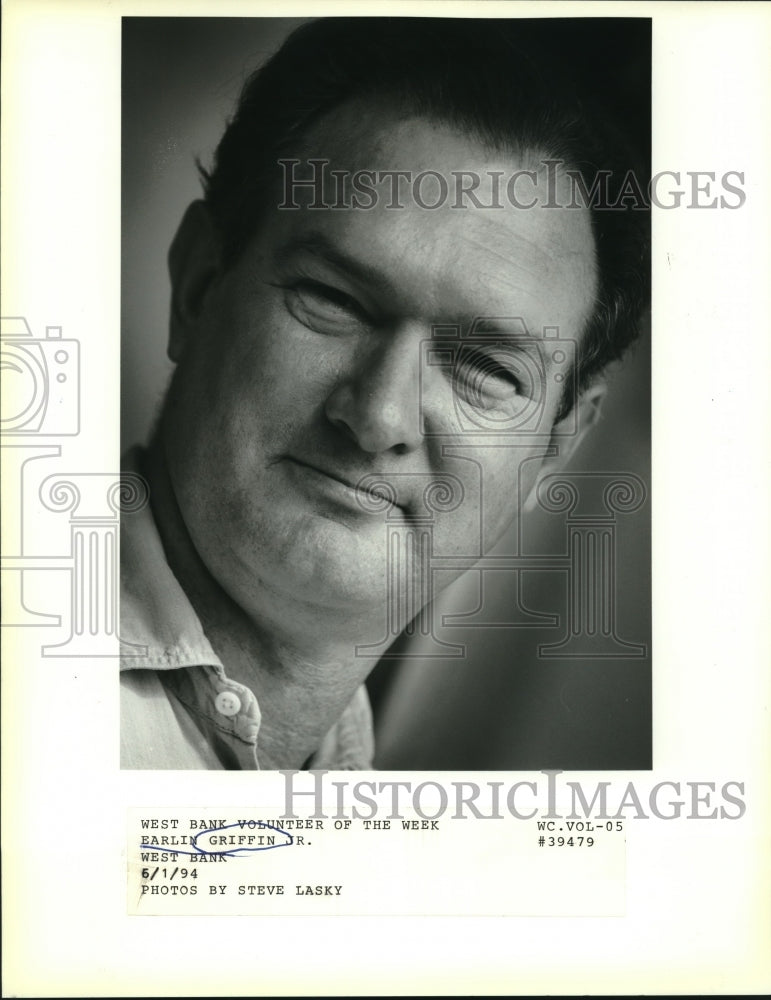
<point x="309" y="364"/>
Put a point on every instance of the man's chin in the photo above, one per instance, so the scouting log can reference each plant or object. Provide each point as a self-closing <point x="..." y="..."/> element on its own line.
<point x="322" y="561"/>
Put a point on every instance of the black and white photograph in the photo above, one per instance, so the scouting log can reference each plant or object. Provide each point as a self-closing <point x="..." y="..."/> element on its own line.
<point x="384" y="494"/>
<point x="386" y="375"/>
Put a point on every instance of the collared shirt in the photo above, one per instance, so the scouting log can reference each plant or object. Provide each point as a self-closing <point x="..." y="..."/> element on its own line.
<point x="179" y="709"/>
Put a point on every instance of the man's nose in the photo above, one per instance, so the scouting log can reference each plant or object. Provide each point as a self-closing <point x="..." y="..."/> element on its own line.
<point x="377" y="404"/>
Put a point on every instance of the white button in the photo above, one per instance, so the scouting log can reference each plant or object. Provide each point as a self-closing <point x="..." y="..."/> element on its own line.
<point x="227" y="703"/>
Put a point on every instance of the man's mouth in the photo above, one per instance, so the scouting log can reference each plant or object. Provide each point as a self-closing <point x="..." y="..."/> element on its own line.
<point x="371" y="493"/>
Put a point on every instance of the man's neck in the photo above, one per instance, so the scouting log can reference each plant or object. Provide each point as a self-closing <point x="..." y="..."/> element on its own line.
<point x="303" y="670"/>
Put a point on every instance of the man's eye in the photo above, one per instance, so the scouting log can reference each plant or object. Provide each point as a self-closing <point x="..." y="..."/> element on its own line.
<point x="323" y="307"/>
<point x="486" y="380"/>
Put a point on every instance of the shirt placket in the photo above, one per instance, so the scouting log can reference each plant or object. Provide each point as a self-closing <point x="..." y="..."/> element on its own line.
<point x="228" y="709"/>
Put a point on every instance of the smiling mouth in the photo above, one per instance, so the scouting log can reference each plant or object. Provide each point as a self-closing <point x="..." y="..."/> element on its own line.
<point x="371" y="493"/>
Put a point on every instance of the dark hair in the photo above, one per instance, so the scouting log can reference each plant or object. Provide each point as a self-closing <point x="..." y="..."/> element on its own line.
<point x="507" y="83"/>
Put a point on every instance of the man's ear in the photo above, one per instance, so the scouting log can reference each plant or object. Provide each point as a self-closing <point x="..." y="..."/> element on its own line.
<point x="568" y="434"/>
<point x="194" y="265"/>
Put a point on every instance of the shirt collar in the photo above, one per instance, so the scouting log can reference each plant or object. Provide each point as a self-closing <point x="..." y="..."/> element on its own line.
<point x="159" y="629"/>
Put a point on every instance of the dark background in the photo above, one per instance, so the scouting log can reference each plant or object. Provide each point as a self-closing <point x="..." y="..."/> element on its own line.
<point x="501" y="706"/>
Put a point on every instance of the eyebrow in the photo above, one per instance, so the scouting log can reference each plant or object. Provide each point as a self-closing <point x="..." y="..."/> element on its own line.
<point x="513" y="327"/>
<point x="316" y="244"/>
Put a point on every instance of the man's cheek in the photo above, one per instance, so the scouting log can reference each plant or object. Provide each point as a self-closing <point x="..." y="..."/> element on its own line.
<point x="506" y="487"/>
